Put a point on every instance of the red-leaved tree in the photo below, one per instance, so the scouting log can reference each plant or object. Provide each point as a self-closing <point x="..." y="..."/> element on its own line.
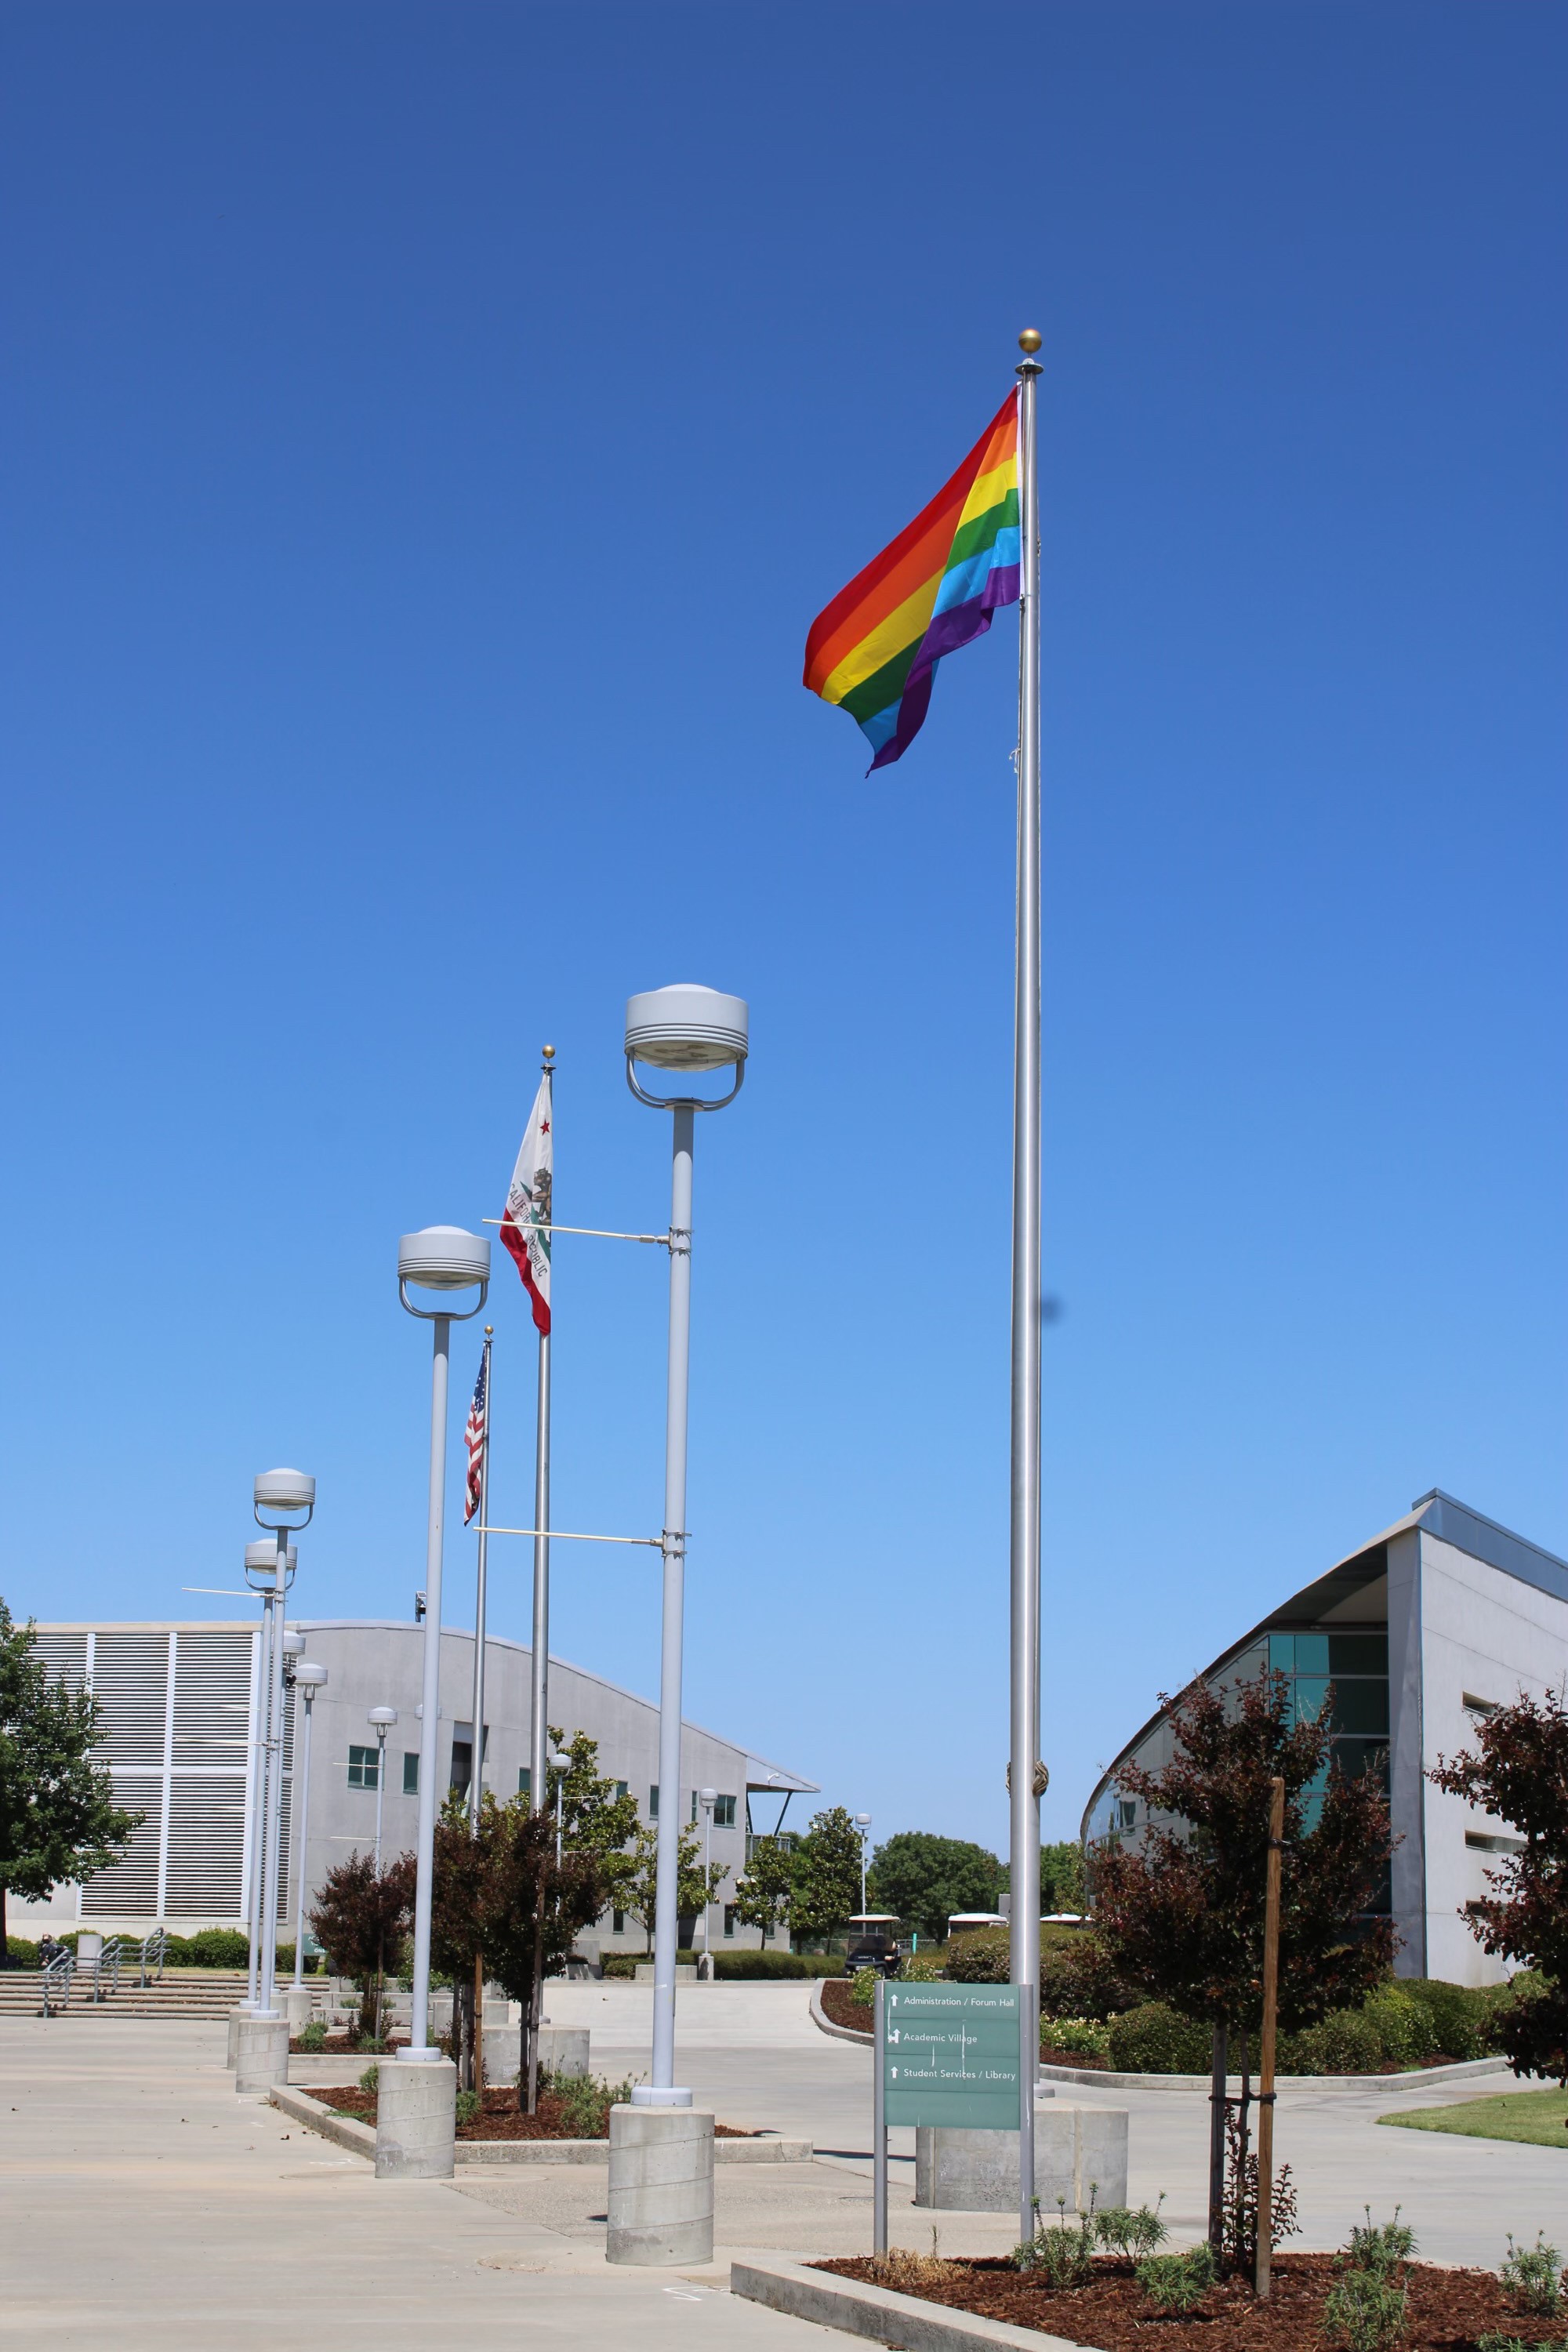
<point x="1520" y="1773"/>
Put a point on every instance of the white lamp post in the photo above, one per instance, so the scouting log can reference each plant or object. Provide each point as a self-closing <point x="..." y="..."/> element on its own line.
<point x="560" y="1765"/>
<point x="707" y="1799"/>
<point x="309" y="1678"/>
<point x="381" y="1720"/>
<point x="260" y="1575"/>
<point x="683" y="1028"/>
<point x="283" y="1501"/>
<point x="863" y="1824"/>
<point x="442" y="1258"/>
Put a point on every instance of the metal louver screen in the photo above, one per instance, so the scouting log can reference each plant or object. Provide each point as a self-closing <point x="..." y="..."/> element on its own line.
<point x="206" y="1845"/>
<point x="131" y="1885"/>
<point x="211" y="1699"/>
<point x="64" y="1656"/>
<point x="131" y="1682"/>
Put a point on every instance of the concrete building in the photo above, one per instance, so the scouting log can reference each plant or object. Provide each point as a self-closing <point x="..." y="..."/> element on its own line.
<point x="1422" y="1632"/>
<point x="178" y="1703"/>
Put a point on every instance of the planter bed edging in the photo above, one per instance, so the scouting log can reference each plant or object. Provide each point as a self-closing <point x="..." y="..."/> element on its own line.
<point x="877" y="2312"/>
<point x="361" y="2140"/>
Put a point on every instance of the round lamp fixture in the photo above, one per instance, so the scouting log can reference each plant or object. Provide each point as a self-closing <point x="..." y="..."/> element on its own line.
<point x="261" y="1559"/>
<point x="382" y="1714"/>
<point x="863" y="1820"/>
<point x="444" y="1258"/>
<point x="708" y="1796"/>
<point x="308" y="1675"/>
<point x="686" y="1027"/>
<point x="285" y="1490"/>
<point x="293" y="1642"/>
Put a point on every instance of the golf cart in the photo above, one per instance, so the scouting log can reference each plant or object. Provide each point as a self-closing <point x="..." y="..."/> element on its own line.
<point x="873" y="1943"/>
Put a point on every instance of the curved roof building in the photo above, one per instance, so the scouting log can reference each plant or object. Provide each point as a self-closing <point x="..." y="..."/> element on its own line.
<point x="1422" y="1632"/>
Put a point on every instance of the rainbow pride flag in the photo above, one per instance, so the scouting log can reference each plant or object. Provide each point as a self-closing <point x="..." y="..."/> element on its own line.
<point x="875" y="649"/>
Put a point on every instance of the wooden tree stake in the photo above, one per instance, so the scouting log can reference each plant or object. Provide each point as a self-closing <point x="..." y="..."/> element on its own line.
<point x="1265" y="2048"/>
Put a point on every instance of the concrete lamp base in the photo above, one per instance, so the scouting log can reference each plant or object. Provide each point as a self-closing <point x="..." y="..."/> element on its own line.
<point x="661" y="2186"/>
<point x="260" y="2055"/>
<point x="415" y="2119"/>
<point x="237" y="2018"/>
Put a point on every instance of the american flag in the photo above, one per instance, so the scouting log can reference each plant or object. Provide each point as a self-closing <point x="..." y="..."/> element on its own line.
<point x="475" y="1434"/>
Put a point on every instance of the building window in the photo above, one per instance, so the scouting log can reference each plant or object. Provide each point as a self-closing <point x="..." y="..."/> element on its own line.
<point x="617" y="1923"/>
<point x="724" y="1813"/>
<point x="621" y="1788"/>
<point x="1127" y="1813"/>
<point x="362" y="1772"/>
<point x="525" y="1780"/>
<point x="1478" y="1706"/>
<point x="728" y="1920"/>
<point x="653" y="1805"/>
<point x="410" y="1774"/>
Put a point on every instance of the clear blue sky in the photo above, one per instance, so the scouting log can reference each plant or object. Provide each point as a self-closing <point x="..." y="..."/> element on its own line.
<point x="429" y="432"/>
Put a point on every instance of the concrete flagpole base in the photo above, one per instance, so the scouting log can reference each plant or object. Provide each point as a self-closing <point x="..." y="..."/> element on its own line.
<point x="415" y="2119"/>
<point x="237" y="2018"/>
<point x="260" y="2053"/>
<point x="661" y="2186"/>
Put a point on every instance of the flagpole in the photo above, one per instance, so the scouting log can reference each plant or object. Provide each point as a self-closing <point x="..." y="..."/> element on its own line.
<point x="477" y="1748"/>
<point x="1024" y="1838"/>
<point x="538" y="1733"/>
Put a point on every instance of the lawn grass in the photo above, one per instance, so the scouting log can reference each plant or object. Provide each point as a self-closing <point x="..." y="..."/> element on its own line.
<point x="1539" y="2116"/>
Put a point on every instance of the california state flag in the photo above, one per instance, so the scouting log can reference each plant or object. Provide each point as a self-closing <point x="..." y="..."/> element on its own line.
<point x="525" y="1228"/>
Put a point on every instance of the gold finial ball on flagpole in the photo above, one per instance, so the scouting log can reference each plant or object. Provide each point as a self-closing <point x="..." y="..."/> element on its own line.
<point x="550" y="1052"/>
<point x="1030" y="341"/>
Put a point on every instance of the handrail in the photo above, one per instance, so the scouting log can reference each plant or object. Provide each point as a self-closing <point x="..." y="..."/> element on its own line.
<point x="155" y="1949"/>
<point x="55" y="1977"/>
<point x="108" y="1959"/>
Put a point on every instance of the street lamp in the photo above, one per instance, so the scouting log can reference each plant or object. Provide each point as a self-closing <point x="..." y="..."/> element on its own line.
<point x="309" y="1678"/>
<point x="560" y="1765"/>
<point x="381" y="1720"/>
<point x="260" y="1575"/>
<point x="683" y="1028"/>
<point x="707" y="1799"/>
<point x="283" y="1501"/>
<point x="442" y="1258"/>
<point x="863" y="1824"/>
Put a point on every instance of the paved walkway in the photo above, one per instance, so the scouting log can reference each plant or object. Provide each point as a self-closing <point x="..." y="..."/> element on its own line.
<point x="145" y="2203"/>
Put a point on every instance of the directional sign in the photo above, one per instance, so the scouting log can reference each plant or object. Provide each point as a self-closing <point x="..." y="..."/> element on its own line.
<point x="950" y="2054"/>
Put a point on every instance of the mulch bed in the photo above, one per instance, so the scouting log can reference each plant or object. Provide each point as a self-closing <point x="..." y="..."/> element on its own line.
<point x="1448" y="2309"/>
<point x="347" y="2045"/>
<point x="500" y="2118"/>
<point x="840" y="2009"/>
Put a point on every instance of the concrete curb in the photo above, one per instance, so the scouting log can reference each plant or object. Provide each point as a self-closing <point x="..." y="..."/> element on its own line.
<point x="361" y="2140"/>
<point x="1090" y="2077"/>
<point x="820" y="2017"/>
<point x="904" y="2321"/>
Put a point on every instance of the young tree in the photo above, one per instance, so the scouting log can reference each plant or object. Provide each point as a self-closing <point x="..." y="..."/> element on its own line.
<point x="360" y="1920"/>
<point x="1521" y="1775"/>
<point x="637" y="1883"/>
<point x="924" y="1879"/>
<point x="763" y="1894"/>
<point x="532" y="1904"/>
<point x="59" y="1820"/>
<point x="1181" y="1914"/>
<point x="827" y="1890"/>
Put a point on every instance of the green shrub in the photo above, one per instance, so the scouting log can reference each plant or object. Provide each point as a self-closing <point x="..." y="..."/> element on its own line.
<point x="922" y="1967"/>
<point x="1077" y="1979"/>
<point x="1063" y="2254"/>
<point x="1346" y="2043"/>
<point x="1131" y="2231"/>
<point x="1380" y="2247"/>
<point x="1178" y="2283"/>
<point x="982" y="1958"/>
<point x="1461" y="2015"/>
<point x="620" y="1966"/>
<point x="468" y="2106"/>
<point x="1532" y="2277"/>
<point x="217" y="1948"/>
<point x="1367" y="2309"/>
<point x="587" y="2102"/>
<point x="371" y="2079"/>
<point x="863" y="1991"/>
<point x="1403" y="2025"/>
<point x="315" y="2035"/>
<point x="20" y="1953"/>
<point x="1086" y="2037"/>
<point x="759" y="1966"/>
<point x="1155" y="2040"/>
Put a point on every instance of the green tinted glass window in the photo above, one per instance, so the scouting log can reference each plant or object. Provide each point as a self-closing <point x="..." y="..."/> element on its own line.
<point x="1282" y="1653"/>
<point x="1311" y="1654"/>
<point x="1309" y="1693"/>
<point x="1361" y="1706"/>
<point x="1358" y="1653"/>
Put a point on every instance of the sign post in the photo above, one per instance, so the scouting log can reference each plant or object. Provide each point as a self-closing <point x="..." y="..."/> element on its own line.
<point x="950" y="2055"/>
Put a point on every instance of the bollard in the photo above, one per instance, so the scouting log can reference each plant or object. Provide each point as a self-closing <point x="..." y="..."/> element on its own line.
<point x="661" y="2186"/>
